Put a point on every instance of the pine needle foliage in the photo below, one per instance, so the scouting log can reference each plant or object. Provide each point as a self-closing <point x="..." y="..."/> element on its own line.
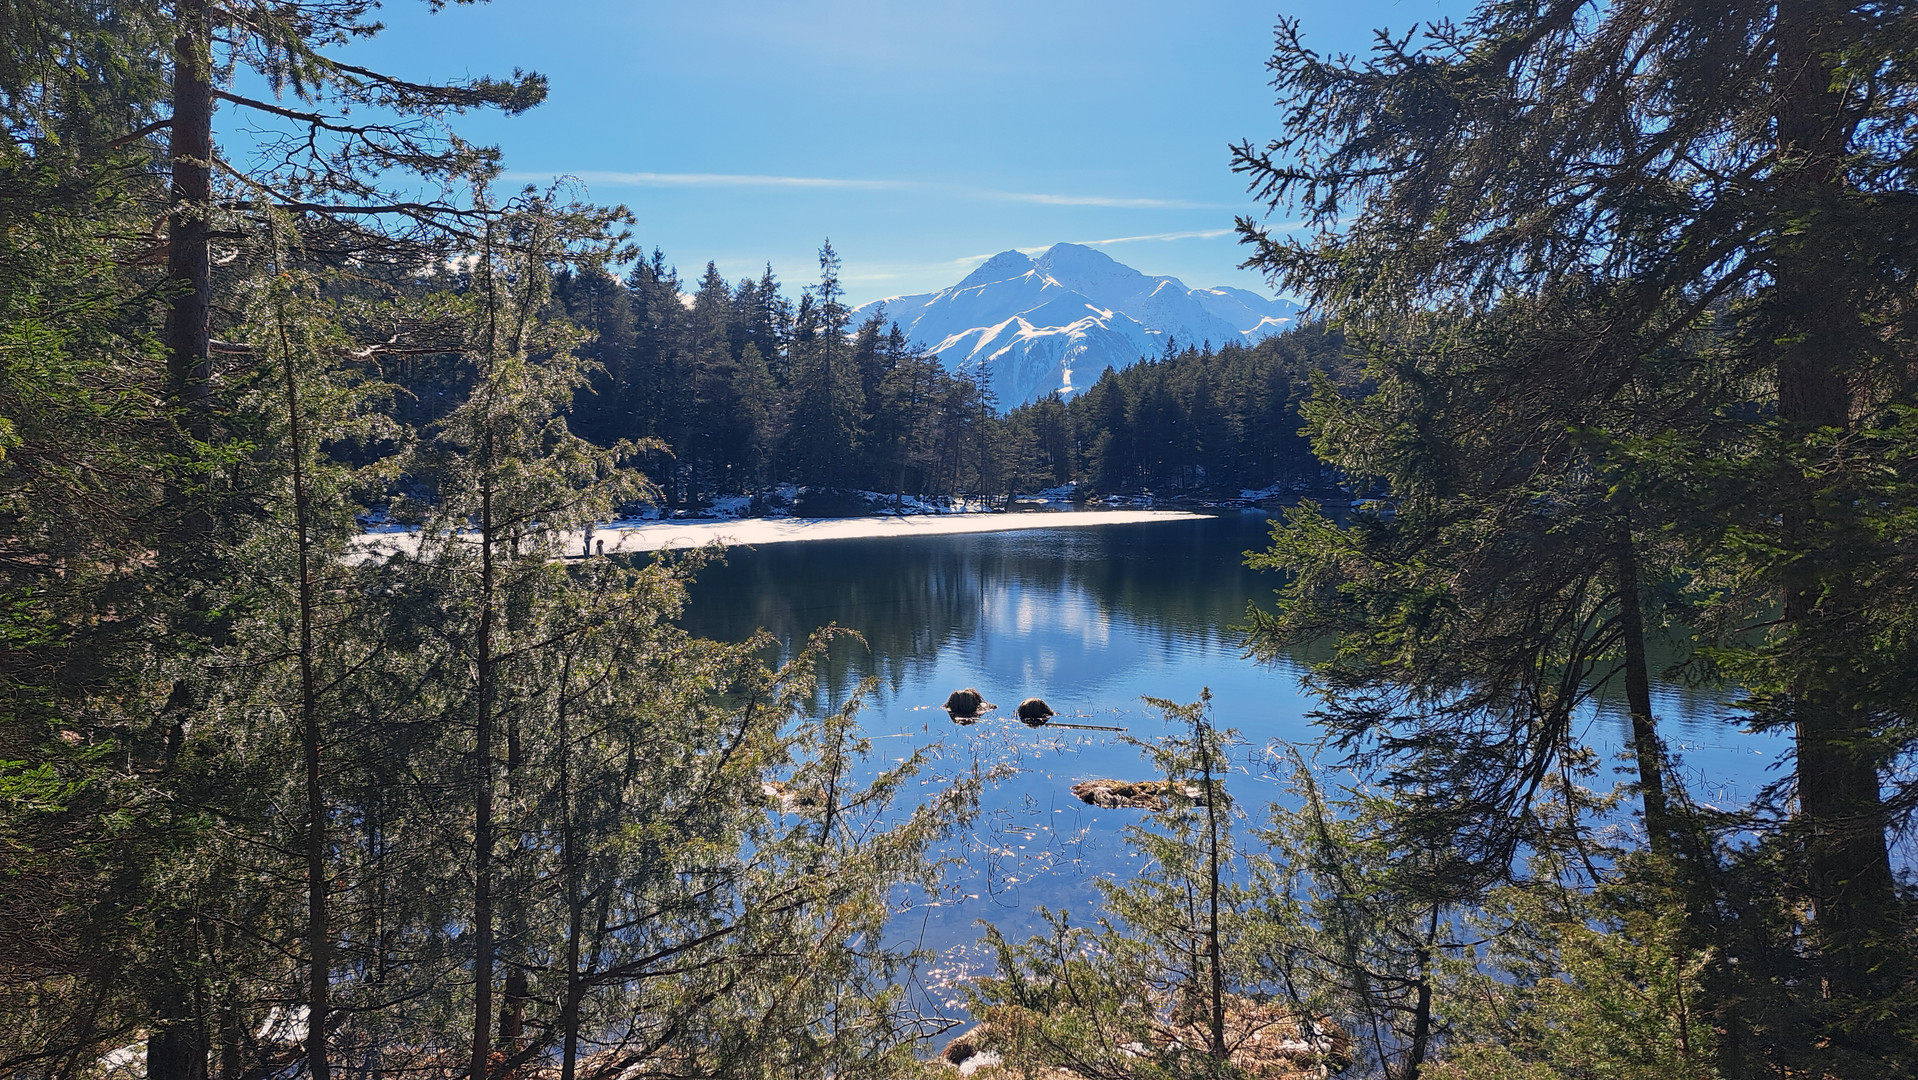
<point x="1688" y="232"/>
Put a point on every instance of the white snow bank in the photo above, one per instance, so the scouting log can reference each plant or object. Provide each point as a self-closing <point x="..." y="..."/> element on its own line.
<point x="752" y="532"/>
<point x="756" y="531"/>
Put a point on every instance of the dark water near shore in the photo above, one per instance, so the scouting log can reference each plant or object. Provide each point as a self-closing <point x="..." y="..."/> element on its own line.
<point x="1093" y="620"/>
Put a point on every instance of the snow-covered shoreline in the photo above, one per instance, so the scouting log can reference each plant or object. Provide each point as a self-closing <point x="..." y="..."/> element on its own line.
<point x="753" y="532"/>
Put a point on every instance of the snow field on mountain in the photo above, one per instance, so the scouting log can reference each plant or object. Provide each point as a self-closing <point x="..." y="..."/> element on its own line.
<point x="1030" y="323"/>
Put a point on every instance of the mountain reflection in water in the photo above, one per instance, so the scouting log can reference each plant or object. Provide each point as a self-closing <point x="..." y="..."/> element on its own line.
<point x="1052" y="612"/>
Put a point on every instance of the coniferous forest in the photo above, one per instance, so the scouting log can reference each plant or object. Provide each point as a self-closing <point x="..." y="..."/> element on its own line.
<point x="1616" y="314"/>
<point x="747" y="391"/>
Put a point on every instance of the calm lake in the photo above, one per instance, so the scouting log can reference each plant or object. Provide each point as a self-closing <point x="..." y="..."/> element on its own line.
<point x="1093" y="620"/>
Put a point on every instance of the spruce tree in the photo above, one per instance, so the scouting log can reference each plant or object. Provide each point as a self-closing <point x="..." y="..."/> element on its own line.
<point x="1735" y="172"/>
<point x="825" y="383"/>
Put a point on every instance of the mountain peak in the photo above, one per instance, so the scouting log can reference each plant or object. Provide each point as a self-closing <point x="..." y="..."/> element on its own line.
<point x="1069" y="257"/>
<point x="1006" y="264"/>
<point x="1079" y="313"/>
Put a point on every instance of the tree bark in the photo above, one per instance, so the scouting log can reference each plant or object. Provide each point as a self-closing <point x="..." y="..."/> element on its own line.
<point x="1840" y="804"/>
<point x="483" y="734"/>
<point x="1415" y="1053"/>
<point x="189" y="262"/>
<point x="1214" y="955"/>
<point x="575" y="904"/>
<point x="1638" y="697"/>
<point x="512" y="1021"/>
<point x="483" y="802"/>
<point x="177" y="1045"/>
<point x="318" y="929"/>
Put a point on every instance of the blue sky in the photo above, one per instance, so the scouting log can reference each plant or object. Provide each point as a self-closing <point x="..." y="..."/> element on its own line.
<point x="921" y="137"/>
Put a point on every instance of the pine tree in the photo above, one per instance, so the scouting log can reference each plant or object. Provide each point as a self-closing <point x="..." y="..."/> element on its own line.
<point x="659" y="368"/>
<point x="1734" y="171"/>
<point x="605" y="409"/>
<point x="760" y="417"/>
<point x="1498" y="595"/>
<point x="503" y="465"/>
<point x="1183" y="976"/>
<point x="825" y="383"/>
<point x="84" y="455"/>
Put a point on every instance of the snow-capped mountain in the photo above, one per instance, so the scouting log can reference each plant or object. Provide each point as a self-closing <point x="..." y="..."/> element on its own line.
<point x="1055" y="322"/>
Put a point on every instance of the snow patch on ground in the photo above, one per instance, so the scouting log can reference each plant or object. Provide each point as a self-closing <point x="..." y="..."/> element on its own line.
<point x="631" y="537"/>
<point x="780" y="531"/>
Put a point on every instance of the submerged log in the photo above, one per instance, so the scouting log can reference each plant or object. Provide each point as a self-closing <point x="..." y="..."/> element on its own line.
<point x="1135" y="794"/>
<point x="1266" y="1041"/>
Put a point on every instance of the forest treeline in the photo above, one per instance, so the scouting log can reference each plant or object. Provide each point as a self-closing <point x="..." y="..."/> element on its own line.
<point x="1193" y="421"/>
<point x="745" y="390"/>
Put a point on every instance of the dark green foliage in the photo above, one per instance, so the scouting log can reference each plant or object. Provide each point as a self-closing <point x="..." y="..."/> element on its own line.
<point x="1574" y="972"/>
<point x="1336" y="958"/>
<point x="85" y="453"/>
<point x="241" y="761"/>
<point x="1195" y="422"/>
<point x="1505" y="583"/>
<point x="1686" y="235"/>
<point x="745" y="392"/>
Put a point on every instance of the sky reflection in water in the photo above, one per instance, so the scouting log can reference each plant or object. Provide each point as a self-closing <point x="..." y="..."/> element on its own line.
<point x="1092" y="620"/>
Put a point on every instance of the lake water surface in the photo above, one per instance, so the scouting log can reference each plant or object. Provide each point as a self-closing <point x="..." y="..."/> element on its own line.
<point x="1093" y="620"/>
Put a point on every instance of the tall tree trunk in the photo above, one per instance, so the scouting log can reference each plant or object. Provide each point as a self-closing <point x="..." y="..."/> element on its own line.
<point x="1638" y="696"/>
<point x="570" y="871"/>
<point x="177" y="1044"/>
<point x="231" y="1035"/>
<point x="575" y="991"/>
<point x="1840" y="804"/>
<point x="512" y="1020"/>
<point x="483" y="706"/>
<point x="318" y="929"/>
<point x="1214" y="955"/>
<point x="1694" y="891"/>
<point x="483" y="801"/>
<point x="1420" y="1046"/>
<point x="189" y="263"/>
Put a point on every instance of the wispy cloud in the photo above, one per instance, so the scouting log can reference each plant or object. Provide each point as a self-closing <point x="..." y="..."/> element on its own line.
<point x="1199" y="234"/>
<point x="761" y="180"/>
<point x="1091" y="200"/>
<point x="1196" y="234"/>
<point x="726" y="180"/>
